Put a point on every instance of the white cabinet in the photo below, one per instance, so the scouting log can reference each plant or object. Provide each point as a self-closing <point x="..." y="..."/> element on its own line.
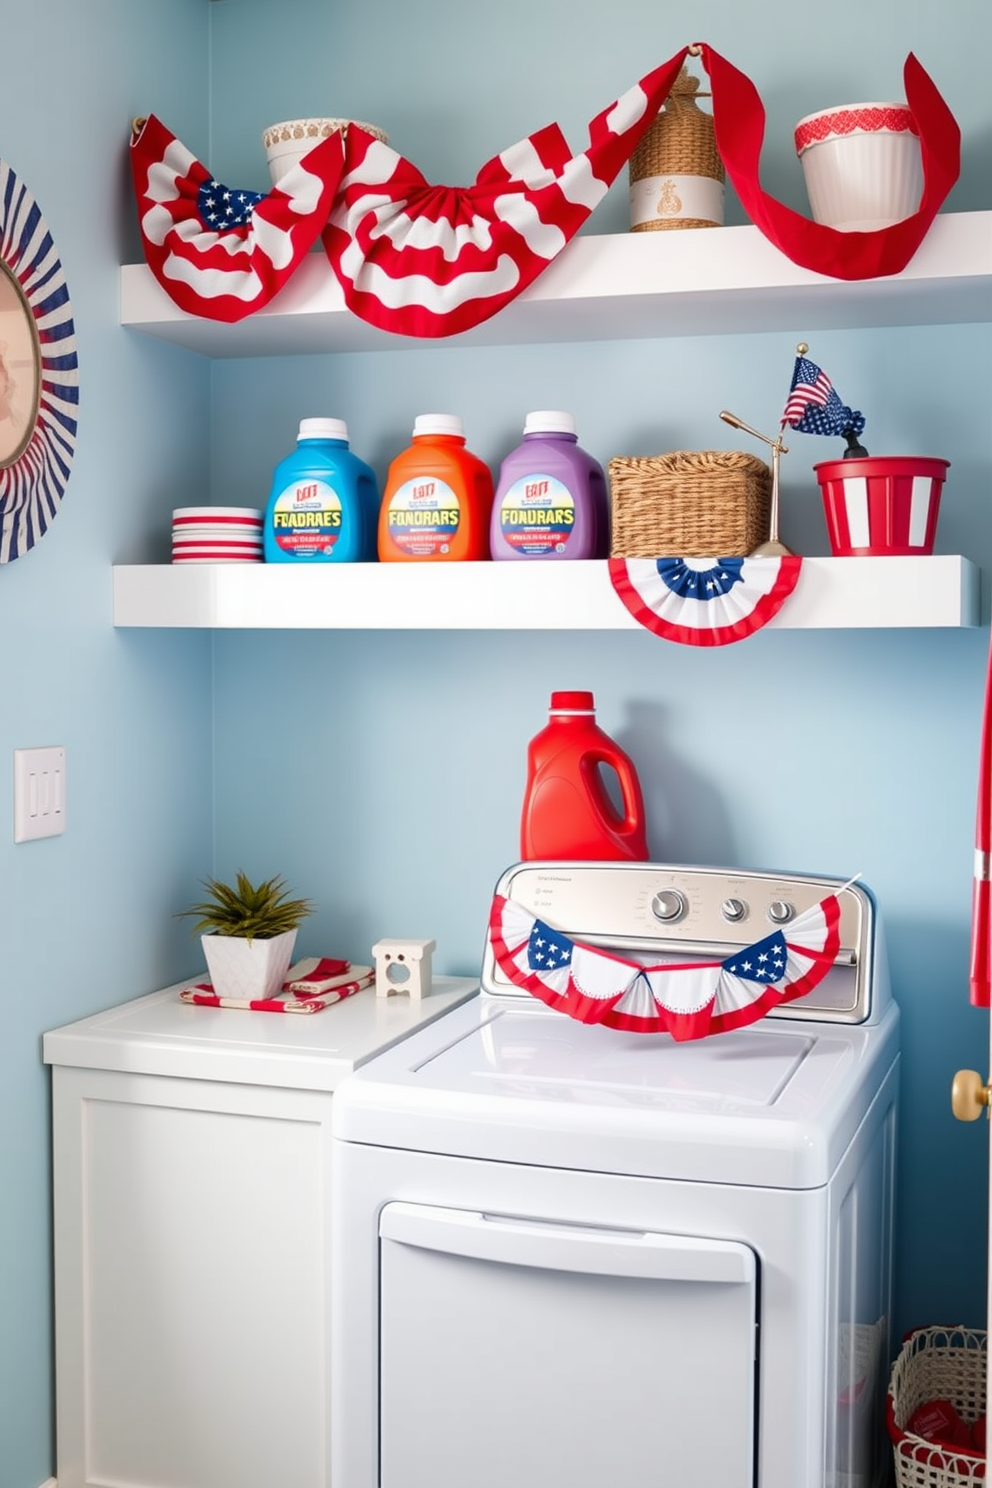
<point x="633" y="285"/>
<point x="192" y="1222"/>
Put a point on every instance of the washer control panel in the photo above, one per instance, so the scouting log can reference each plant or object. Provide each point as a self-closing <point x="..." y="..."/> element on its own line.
<point x="673" y="912"/>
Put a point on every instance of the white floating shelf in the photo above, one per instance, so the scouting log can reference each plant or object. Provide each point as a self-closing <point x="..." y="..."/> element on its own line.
<point x="832" y="593"/>
<point x="624" y="286"/>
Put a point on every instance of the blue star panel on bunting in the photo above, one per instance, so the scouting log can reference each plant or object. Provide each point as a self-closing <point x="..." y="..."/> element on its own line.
<point x="220" y="207"/>
<point x="695" y="583"/>
<point x="548" y="949"/>
<point x="764" y="961"/>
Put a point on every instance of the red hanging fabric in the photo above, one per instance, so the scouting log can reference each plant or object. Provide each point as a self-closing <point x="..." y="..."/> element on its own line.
<point x="739" y="122"/>
<point x="980" y="975"/>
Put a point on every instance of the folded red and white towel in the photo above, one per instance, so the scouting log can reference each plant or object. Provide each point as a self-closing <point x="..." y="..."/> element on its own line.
<point x="313" y="983"/>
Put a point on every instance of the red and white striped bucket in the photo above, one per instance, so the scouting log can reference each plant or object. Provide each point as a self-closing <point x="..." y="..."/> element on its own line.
<point x="882" y="504"/>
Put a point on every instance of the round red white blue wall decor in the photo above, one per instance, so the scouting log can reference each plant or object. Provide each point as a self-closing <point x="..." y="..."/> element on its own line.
<point x="39" y="372"/>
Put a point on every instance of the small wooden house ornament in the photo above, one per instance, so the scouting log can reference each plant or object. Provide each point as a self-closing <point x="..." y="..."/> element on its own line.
<point x="403" y="966"/>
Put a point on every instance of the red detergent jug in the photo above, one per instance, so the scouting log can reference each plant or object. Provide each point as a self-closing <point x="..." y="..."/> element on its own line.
<point x="567" y="810"/>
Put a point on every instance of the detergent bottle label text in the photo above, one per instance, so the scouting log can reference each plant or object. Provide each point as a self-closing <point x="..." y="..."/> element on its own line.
<point x="537" y="515"/>
<point x="306" y="518"/>
<point x="423" y="517"/>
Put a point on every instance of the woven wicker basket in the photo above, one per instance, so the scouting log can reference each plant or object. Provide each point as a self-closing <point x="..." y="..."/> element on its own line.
<point x="936" y="1364"/>
<point x="689" y="504"/>
<point x="676" y="174"/>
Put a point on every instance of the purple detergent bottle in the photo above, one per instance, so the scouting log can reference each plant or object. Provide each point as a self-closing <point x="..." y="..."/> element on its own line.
<point x="551" y="499"/>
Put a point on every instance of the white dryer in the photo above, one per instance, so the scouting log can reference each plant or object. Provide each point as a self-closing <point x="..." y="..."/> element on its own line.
<point x="569" y="1257"/>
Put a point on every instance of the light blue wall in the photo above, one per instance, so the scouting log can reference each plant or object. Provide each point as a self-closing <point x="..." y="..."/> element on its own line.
<point x="867" y="764"/>
<point x="395" y="804"/>
<point x="85" y="919"/>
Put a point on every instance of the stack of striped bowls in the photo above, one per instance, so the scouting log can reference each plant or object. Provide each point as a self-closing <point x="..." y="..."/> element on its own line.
<point x="217" y="534"/>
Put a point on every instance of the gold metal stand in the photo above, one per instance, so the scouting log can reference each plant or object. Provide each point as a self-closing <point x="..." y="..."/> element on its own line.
<point x="773" y="548"/>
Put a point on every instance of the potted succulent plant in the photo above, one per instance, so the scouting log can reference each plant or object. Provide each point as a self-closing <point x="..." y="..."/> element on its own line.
<point x="248" y="932"/>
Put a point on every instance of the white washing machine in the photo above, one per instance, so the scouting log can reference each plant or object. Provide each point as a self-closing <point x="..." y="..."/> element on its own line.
<point x="566" y="1256"/>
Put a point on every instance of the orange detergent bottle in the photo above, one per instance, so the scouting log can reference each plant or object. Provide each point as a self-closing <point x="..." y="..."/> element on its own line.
<point x="568" y="812"/>
<point x="437" y="499"/>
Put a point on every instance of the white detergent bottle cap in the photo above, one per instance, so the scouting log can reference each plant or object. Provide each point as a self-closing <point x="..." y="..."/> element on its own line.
<point x="323" y="428"/>
<point x="439" y="423"/>
<point x="549" y="421"/>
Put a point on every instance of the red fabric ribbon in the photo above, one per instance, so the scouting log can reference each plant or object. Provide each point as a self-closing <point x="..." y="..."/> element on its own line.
<point x="980" y="974"/>
<point x="739" y="122"/>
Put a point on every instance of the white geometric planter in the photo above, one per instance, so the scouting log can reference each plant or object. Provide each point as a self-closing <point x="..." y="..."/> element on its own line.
<point x="248" y="970"/>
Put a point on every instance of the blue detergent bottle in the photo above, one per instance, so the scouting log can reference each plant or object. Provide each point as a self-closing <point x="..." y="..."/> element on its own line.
<point x="324" y="503"/>
<point x="551" y="498"/>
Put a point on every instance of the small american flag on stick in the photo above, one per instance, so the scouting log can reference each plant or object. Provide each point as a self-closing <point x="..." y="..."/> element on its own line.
<point x="813" y="405"/>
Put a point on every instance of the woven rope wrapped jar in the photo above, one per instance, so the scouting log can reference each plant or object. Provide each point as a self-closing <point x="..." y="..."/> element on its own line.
<point x="676" y="174"/>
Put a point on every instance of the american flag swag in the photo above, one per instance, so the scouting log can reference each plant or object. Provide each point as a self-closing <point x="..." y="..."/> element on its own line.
<point x="33" y="481"/>
<point x="688" y="1000"/>
<point x="221" y="253"/>
<point x="704" y="601"/>
<point x="423" y="260"/>
<point x="430" y="261"/>
<point x="813" y="405"/>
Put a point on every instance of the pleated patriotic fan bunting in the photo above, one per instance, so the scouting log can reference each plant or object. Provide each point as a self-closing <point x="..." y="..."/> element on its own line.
<point x="688" y="1000"/>
<point x="412" y="258"/>
<point x="427" y="260"/>
<point x="217" y="252"/>
<point x="704" y="601"/>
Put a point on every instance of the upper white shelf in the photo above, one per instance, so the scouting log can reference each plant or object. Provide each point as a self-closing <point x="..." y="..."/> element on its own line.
<point x="631" y="285"/>
<point x="832" y="593"/>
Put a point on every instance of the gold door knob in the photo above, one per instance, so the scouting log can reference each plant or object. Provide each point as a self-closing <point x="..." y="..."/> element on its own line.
<point x="969" y="1093"/>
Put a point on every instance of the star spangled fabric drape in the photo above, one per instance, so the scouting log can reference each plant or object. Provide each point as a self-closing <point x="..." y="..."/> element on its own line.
<point x="430" y="261"/>
<point x="704" y="601"/>
<point x="688" y="1000"/>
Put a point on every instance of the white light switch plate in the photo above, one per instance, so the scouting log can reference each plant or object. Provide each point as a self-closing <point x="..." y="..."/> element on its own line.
<point x="39" y="793"/>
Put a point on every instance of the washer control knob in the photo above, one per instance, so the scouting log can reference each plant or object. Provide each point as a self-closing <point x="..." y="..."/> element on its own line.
<point x="668" y="906"/>
<point x="780" y="912"/>
<point x="733" y="910"/>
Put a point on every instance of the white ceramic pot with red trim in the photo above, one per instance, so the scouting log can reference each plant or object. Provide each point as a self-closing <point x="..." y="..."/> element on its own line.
<point x="862" y="165"/>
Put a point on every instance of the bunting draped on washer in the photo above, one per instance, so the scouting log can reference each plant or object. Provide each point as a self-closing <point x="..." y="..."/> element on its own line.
<point x="429" y="261"/>
<point x="689" y="1000"/>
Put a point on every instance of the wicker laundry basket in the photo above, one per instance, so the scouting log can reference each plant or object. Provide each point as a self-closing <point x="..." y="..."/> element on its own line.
<point x="936" y="1364"/>
<point x="689" y="504"/>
